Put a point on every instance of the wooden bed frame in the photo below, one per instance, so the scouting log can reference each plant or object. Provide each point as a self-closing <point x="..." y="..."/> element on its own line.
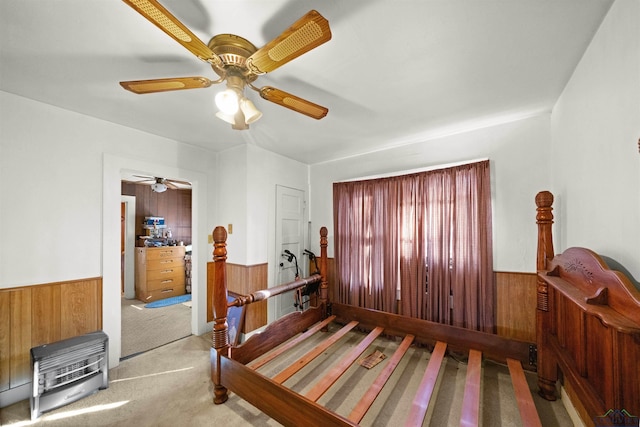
<point x="588" y="330"/>
<point x="233" y="368"/>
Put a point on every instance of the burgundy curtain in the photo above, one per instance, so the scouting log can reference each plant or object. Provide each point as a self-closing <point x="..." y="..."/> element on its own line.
<point x="419" y="245"/>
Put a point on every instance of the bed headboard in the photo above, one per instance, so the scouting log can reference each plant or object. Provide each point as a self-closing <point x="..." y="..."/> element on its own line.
<point x="587" y="326"/>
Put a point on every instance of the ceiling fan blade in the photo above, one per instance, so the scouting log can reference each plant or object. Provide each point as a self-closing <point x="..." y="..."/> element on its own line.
<point x="170" y="185"/>
<point x="293" y="102"/>
<point x="164" y="85"/>
<point x="175" y="181"/>
<point x="163" y="19"/>
<point x="307" y="33"/>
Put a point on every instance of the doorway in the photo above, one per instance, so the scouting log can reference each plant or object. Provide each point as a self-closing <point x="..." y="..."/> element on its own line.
<point x="144" y="327"/>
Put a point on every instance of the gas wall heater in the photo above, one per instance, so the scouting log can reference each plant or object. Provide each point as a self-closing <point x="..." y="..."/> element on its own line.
<point x="68" y="370"/>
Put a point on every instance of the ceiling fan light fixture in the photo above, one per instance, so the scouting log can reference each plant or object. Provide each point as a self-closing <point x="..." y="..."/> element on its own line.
<point x="227" y="101"/>
<point x="251" y="113"/>
<point x="158" y="187"/>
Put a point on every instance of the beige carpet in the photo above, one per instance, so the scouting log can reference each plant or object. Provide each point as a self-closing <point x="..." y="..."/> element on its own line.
<point x="144" y="329"/>
<point x="171" y="386"/>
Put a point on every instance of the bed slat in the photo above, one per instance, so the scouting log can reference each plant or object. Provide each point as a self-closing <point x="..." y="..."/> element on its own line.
<point x="290" y="344"/>
<point x="340" y="368"/>
<point x="312" y="354"/>
<point x="528" y="412"/>
<point x="471" y="399"/>
<point x="365" y="402"/>
<point x="425" y="391"/>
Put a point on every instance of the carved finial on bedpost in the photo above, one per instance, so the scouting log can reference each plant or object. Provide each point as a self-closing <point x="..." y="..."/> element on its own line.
<point x="544" y="219"/>
<point x="324" y="284"/>
<point x="220" y="326"/>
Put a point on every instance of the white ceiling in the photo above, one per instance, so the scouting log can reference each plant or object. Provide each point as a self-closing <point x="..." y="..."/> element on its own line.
<point x="394" y="72"/>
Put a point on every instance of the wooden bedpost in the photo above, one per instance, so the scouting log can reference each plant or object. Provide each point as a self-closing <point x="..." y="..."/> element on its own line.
<point x="220" y="326"/>
<point x="324" y="284"/>
<point x="547" y="371"/>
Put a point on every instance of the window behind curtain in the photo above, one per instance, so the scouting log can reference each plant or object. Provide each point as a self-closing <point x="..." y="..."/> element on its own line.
<point x="418" y="245"/>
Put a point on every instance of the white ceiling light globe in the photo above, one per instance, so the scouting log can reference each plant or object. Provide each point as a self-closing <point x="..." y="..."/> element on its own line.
<point x="227" y="102"/>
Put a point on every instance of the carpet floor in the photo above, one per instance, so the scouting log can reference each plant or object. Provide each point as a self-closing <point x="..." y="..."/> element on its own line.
<point x="144" y="328"/>
<point x="171" y="386"/>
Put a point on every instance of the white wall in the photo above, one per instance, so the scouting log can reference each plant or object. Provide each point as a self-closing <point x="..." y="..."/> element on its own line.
<point x="60" y="199"/>
<point x="519" y="156"/>
<point x="249" y="201"/>
<point x="595" y="152"/>
<point x="233" y="201"/>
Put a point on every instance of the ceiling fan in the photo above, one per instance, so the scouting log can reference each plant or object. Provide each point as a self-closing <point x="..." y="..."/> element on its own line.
<point x="238" y="62"/>
<point x="159" y="185"/>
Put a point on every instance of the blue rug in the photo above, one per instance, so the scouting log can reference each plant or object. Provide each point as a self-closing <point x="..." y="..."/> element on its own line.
<point x="169" y="301"/>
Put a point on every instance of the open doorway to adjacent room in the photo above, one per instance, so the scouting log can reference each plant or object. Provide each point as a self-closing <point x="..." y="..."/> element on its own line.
<point x="156" y="233"/>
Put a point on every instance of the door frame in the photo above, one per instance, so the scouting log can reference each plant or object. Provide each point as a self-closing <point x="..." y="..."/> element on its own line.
<point x="129" y="246"/>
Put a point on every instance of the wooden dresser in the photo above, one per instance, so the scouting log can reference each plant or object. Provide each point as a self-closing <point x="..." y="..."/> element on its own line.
<point x="159" y="272"/>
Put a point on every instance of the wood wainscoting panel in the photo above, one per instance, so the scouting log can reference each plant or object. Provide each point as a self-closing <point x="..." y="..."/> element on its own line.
<point x="20" y="341"/>
<point x="242" y="280"/>
<point x="40" y="314"/>
<point x="45" y="315"/>
<point x="5" y="339"/>
<point x="78" y="302"/>
<point x="516" y="305"/>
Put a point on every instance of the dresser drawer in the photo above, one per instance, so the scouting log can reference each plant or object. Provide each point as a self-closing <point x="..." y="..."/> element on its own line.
<point x="165" y="252"/>
<point x="161" y="294"/>
<point x="165" y="263"/>
<point x="169" y="282"/>
<point x="165" y="273"/>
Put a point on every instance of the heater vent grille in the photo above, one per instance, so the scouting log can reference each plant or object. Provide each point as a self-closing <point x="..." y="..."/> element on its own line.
<point x="68" y="370"/>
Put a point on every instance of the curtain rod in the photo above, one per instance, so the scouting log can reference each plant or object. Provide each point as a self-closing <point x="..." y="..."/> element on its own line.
<point x="418" y="170"/>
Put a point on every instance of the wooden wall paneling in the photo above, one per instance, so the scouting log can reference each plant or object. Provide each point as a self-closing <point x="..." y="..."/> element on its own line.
<point x="78" y="305"/>
<point x="257" y="278"/>
<point x="173" y="205"/>
<point x="20" y="359"/>
<point x="183" y="231"/>
<point x="45" y="314"/>
<point x="41" y="314"/>
<point x="516" y="305"/>
<point x="5" y="339"/>
<point x="166" y="207"/>
<point x="244" y="280"/>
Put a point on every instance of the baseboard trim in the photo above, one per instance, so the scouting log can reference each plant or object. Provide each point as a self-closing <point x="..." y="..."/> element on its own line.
<point x="14" y="395"/>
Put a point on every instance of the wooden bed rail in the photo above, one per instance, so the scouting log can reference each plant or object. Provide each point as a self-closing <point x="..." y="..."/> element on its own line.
<point x="276" y="290"/>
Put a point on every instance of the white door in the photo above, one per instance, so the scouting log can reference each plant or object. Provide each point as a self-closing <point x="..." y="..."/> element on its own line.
<point x="290" y="226"/>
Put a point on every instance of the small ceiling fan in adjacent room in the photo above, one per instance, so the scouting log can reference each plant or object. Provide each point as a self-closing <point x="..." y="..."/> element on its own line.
<point x="238" y="62"/>
<point x="159" y="185"/>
